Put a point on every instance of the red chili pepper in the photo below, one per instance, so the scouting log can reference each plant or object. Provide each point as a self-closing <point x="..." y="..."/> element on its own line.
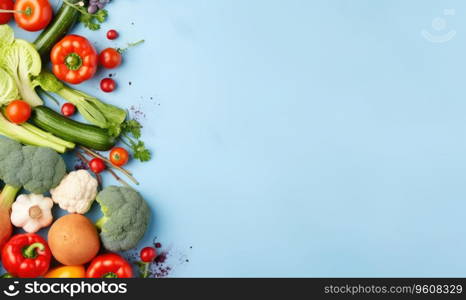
<point x="26" y="256"/>
<point x="109" y="266"/>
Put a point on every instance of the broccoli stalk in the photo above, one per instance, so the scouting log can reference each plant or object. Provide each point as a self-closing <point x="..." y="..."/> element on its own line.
<point x="8" y="195"/>
<point x="100" y="222"/>
<point x="31" y="135"/>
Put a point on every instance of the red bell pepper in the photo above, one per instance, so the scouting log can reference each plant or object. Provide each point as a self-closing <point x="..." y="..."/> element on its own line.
<point x="109" y="266"/>
<point x="74" y="59"/>
<point x="26" y="256"/>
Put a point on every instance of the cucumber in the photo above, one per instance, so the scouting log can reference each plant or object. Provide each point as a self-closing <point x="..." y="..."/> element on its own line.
<point x="65" y="18"/>
<point x="83" y="134"/>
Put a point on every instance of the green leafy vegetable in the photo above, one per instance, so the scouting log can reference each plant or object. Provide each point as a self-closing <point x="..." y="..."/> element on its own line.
<point x="101" y="114"/>
<point x="8" y="89"/>
<point x="91" y="21"/>
<point x="133" y="128"/>
<point x="22" y="62"/>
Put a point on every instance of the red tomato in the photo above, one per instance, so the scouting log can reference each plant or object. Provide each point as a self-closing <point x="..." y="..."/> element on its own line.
<point x="18" y="111"/>
<point x="109" y="265"/>
<point x="33" y="15"/>
<point x="110" y="58"/>
<point x="108" y="85"/>
<point x="6" y="17"/>
<point x="112" y="34"/>
<point x="97" y="165"/>
<point x="74" y="59"/>
<point x="119" y="156"/>
<point x="148" y="254"/>
<point x="68" y="109"/>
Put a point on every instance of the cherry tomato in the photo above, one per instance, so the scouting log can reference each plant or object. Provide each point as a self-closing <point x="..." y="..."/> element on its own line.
<point x="110" y="58"/>
<point x="108" y="85"/>
<point x="112" y="34"/>
<point x="148" y="254"/>
<point x="97" y="165"/>
<point x="68" y="109"/>
<point x="6" y="17"/>
<point x="18" y="111"/>
<point x="33" y="15"/>
<point x="119" y="156"/>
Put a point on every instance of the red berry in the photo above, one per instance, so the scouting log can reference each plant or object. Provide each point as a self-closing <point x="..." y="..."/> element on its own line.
<point x="112" y="34"/>
<point x="97" y="165"/>
<point x="68" y="109"/>
<point x="148" y="254"/>
<point x="108" y="85"/>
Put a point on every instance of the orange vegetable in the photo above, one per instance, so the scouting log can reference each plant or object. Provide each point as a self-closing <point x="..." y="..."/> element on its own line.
<point x="67" y="272"/>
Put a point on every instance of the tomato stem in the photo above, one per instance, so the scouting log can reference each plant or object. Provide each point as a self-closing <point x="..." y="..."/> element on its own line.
<point x="130" y="45"/>
<point x="12" y="11"/>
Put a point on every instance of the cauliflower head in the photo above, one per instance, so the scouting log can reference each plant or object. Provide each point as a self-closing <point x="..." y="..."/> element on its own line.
<point x="76" y="192"/>
<point x="37" y="169"/>
<point x="126" y="218"/>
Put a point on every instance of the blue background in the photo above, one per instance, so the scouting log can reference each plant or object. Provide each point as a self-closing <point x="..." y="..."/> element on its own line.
<point x="299" y="138"/>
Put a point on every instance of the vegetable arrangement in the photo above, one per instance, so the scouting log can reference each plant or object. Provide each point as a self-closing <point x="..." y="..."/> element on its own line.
<point x="32" y="137"/>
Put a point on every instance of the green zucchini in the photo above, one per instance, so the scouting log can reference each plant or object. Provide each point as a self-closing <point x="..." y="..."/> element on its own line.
<point x="83" y="134"/>
<point x="64" y="19"/>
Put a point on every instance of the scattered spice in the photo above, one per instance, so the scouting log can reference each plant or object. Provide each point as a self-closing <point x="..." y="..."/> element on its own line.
<point x="80" y="165"/>
<point x="163" y="264"/>
<point x="137" y="113"/>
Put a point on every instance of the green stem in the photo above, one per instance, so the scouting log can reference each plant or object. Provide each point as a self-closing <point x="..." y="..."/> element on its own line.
<point x="27" y="11"/>
<point x="130" y="45"/>
<point x="110" y="275"/>
<point x="8" y="195"/>
<point x="48" y="95"/>
<point x="100" y="223"/>
<point x="48" y="136"/>
<point x="146" y="270"/>
<point x="77" y="7"/>
<point x="30" y="251"/>
<point x="20" y="134"/>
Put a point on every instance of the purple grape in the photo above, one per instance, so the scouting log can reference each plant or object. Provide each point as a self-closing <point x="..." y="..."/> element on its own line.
<point x="92" y="9"/>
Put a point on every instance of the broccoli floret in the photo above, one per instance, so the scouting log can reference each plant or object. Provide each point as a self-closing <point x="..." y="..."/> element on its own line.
<point x="125" y="220"/>
<point x="37" y="169"/>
